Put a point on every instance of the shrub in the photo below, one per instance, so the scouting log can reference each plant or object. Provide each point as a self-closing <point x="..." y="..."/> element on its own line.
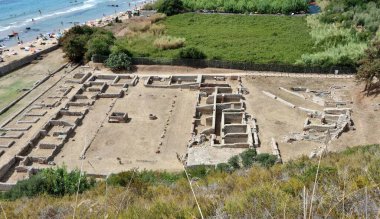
<point x="199" y="171"/>
<point x="170" y="7"/>
<point x="74" y="46"/>
<point x="234" y="162"/>
<point x="79" y="39"/>
<point x="157" y="29"/>
<point x="57" y="182"/>
<point x="191" y="53"/>
<point x="157" y="17"/>
<point x="100" y="45"/>
<point x="169" y="42"/>
<point x="139" y="26"/>
<point x="223" y="167"/>
<point x="152" y="6"/>
<point x="266" y="160"/>
<point x="248" y="157"/>
<point x="369" y="70"/>
<point x="119" y="61"/>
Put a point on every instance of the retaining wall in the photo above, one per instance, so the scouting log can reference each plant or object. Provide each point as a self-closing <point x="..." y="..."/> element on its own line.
<point x="23" y="61"/>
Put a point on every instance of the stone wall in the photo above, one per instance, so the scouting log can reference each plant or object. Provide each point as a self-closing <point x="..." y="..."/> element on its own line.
<point x="23" y="61"/>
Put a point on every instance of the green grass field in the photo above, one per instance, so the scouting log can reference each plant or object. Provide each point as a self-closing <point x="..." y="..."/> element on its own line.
<point x="260" y="39"/>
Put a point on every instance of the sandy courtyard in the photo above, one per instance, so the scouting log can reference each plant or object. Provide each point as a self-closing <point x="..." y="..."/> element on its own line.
<point x="122" y="146"/>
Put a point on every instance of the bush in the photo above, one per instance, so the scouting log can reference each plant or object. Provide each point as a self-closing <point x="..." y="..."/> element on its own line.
<point x="74" y="46"/>
<point x="200" y="171"/>
<point x="266" y="160"/>
<point x="157" y="17"/>
<point x="191" y="53"/>
<point x="223" y="167"/>
<point x="84" y="41"/>
<point x="169" y="42"/>
<point x="145" y="176"/>
<point x="243" y="6"/>
<point x="234" y="162"/>
<point x="157" y="29"/>
<point x="248" y="157"/>
<point x="170" y="7"/>
<point x="139" y="26"/>
<point x="119" y="61"/>
<point x="57" y="182"/>
<point x="100" y="45"/>
<point x="152" y="6"/>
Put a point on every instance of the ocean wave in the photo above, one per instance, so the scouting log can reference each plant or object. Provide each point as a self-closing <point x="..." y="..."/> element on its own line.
<point x="86" y="5"/>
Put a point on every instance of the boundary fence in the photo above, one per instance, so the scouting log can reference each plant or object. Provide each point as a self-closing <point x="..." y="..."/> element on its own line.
<point x="247" y="66"/>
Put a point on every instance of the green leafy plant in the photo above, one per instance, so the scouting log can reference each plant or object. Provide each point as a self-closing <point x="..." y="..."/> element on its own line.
<point x="191" y="53"/>
<point x="119" y="61"/>
<point x="170" y="7"/>
<point x="53" y="181"/>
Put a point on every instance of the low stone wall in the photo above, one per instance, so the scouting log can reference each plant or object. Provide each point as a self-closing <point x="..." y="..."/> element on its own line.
<point x="4" y="169"/>
<point x="23" y="61"/>
<point x="6" y="186"/>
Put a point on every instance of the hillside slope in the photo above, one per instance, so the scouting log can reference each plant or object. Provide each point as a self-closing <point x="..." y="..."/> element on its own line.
<point x="348" y="185"/>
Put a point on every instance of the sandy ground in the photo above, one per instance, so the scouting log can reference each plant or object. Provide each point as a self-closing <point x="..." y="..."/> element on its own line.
<point x="277" y="120"/>
<point x="134" y="143"/>
<point x="17" y="52"/>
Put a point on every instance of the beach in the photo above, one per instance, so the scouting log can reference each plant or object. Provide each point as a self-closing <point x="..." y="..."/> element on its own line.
<point x="29" y="18"/>
<point x="40" y="42"/>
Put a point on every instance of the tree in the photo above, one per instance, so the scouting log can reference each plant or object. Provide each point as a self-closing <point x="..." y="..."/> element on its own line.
<point x="82" y="41"/>
<point x="369" y="69"/>
<point x="99" y="44"/>
<point x="74" y="46"/>
<point x="170" y="7"/>
<point x="191" y="53"/>
<point x="119" y="61"/>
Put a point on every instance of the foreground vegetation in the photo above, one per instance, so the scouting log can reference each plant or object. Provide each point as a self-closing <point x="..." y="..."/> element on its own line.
<point x="347" y="186"/>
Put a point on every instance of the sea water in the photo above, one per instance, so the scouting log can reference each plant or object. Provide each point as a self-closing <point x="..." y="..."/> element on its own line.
<point x="47" y="16"/>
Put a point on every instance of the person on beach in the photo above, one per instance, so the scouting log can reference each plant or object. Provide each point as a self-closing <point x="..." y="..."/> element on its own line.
<point x="40" y="12"/>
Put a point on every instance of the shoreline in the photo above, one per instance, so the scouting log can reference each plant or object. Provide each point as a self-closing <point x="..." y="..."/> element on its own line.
<point x="43" y="42"/>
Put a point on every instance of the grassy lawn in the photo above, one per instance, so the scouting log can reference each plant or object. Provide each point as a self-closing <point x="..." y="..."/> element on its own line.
<point x="260" y="39"/>
<point x="13" y="90"/>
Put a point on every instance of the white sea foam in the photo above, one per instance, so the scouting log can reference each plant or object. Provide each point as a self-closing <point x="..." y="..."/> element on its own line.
<point x="86" y="5"/>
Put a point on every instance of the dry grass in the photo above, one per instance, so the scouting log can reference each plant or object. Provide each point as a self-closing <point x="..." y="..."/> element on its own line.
<point x="349" y="189"/>
<point x="169" y="42"/>
<point x="157" y="29"/>
<point x="139" y="26"/>
<point x="156" y="17"/>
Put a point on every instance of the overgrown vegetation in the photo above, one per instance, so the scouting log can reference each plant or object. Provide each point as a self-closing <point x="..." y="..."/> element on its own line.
<point x="369" y="70"/>
<point x="170" y="7"/>
<point x="236" y="6"/>
<point x="343" y="32"/>
<point x="191" y="53"/>
<point x="249" y="6"/>
<point x="169" y="42"/>
<point x="347" y="185"/>
<point x="81" y="42"/>
<point x="56" y="182"/>
<point x="258" y="39"/>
